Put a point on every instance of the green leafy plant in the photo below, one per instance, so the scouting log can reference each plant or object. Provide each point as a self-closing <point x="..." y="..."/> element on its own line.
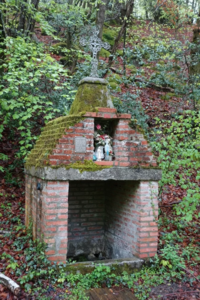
<point x="179" y="158"/>
<point x="24" y="92"/>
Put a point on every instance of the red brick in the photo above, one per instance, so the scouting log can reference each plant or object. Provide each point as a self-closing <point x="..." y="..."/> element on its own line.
<point x="69" y="130"/>
<point x="65" y="217"/>
<point x="53" y="162"/>
<point x="65" y="157"/>
<point x="50" y="252"/>
<point x="124" y="116"/>
<point x="57" y="223"/>
<point x="144" y="143"/>
<point x="90" y="114"/>
<point x="62" y="228"/>
<point x="104" y="163"/>
<point x="58" y="258"/>
<point x="147" y="249"/>
<point x="147" y="219"/>
<point x="153" y="224"/>
<point x="153" y="244"/>
<point x="153" y="239"/>
<point x="144" y="255"/>
<point x="106" y="109"/>
<point x="133" y="159"/>
<point x="150" y="229"/>
<point x="67" y="151"/>
<point x="62" y="251"/>
<point x="153" y="233"/>
<point x="57" y="211"/>
<point x="107" y="116"/>
<point x="78" y="125"/>
<point x="122" y="158"/>
<point x="152" y="254"/>
<point x="124" y="164"/>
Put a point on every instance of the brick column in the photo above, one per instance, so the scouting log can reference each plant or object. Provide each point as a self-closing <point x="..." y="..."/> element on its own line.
<point x="146" y="209"/>
<point x="55" y="219"/>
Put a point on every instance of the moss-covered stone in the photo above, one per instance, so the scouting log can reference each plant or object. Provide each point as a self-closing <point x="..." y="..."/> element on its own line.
<point x="114" y="81"/>
<point x="116" y="78"/>
<point x="47" y="141"/>
<point x="117" y="267"/>
<point x="115" y="87"/>
<point x="89" y="96"/>
<point x="132" y="68"/>
<point x="109" y="35"/>
<point x="119" y="52"/>
<point x="86" y="166"/>
<point x="104" y="53"/>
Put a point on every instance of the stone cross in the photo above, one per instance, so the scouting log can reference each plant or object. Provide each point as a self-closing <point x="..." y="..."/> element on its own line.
<point x="95" y="44"/>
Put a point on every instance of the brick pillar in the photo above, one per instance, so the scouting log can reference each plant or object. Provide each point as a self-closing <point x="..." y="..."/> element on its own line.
<point x="55" y="219"/>
<point x="146" y="208"/>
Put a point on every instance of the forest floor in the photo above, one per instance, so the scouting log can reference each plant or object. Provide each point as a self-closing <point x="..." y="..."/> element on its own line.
<point x="12" y="206"/>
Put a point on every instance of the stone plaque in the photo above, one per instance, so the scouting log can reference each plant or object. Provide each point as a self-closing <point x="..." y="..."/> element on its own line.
<point x="80" y="144"/>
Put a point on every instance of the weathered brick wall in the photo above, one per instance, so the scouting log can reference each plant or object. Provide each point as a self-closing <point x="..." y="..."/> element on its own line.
<point x="55" y="225"/>
<point x="130" y="147"/>
<point x="86" y="218"/>
<point x="123" y="211"/>
<point x="131" y="214"/>
<point x="86" y="209"/>
<point x="64" y="153"/>
<point x="48" y="210"/>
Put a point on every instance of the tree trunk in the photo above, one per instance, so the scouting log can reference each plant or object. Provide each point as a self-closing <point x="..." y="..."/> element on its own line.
<point x="31" y="21"/>
<point x="22" y="18"/>
<point x="129" y="10"/>
<point x="2" y="42"/>
<point x="101" y="17"/>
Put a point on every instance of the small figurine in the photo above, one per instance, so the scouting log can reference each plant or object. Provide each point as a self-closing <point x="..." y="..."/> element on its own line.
<point x="94" y="156"/>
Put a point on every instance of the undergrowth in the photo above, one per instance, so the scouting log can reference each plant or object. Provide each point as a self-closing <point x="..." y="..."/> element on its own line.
<point x="35" y="273"/>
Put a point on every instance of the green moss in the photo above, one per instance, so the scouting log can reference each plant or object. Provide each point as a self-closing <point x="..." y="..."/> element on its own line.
<point x="120" y="52"/>
<point x="115" y="87"/>
<point x="168" y="96"/>
<point x="88" y="97"/>
<point x="109" y="35"/>
<point x="104" y="53"/>
<point x="132" y="68"/>
<point x="116" y="78"/>
<point x="87" y="267"/>
<point x="57" y="48"/>
<point x="47" y="141"/>
<point x="86" y="166"/>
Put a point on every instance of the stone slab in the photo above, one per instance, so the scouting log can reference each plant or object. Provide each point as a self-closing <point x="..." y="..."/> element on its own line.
<point x="93" y="80"/>
<point x="114" y="173"/>
<point x="130" y="265"/>
<point x="80" y="144"/>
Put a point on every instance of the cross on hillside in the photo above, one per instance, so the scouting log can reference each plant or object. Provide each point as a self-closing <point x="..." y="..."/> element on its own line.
<point x="95" y="44"/>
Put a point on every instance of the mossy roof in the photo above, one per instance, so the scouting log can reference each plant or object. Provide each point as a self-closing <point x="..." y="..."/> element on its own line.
<point x="48" y="139"/>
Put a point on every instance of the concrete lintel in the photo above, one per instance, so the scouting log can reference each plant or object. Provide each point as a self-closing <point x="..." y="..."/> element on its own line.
<point x="113" y="173"/>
